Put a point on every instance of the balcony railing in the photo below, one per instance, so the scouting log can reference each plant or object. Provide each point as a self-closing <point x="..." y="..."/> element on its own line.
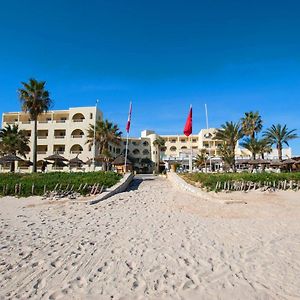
<point x="44" y="121"/>
<point x="76" y="152"/>
<point x="26" y="122"/>
<point x="41" y="152"/>
<point x="60" y="121"/>
<point x="59" y="151"/>
<point x="78" y="120"/>
<point x="77" y="136"/>
<point x="42" y="137"/>
<point x="59" y="136"/>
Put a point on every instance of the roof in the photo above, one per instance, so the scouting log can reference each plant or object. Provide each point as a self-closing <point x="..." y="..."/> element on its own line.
<point x="120" y="160"/>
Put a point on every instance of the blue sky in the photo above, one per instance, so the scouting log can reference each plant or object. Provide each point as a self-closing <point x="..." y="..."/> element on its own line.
<point x="235" y="56"/>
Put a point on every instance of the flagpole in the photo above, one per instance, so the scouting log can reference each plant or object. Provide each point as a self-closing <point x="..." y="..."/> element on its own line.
<point x="126" y="151"/>
<point x="94" y="139"/>
<point x="191" y="154"/>
<point x="206" y="115"/>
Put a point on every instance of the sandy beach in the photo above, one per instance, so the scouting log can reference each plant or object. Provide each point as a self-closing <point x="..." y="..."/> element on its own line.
<point x="152" y="242"/>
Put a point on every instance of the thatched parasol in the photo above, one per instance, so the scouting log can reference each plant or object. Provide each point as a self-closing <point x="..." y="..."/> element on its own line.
<point x="275" y="163"/>
<point x="10" y="158"/>
<point x="57" y="160"/>
<point x="258" y="161"/>
<point x="120" y="161"/>
<point x="289" y="161"/>
<point x="77" y="162"/>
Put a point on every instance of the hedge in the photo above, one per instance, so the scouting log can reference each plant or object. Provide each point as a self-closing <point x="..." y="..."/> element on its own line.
<point x="49" y="181"/>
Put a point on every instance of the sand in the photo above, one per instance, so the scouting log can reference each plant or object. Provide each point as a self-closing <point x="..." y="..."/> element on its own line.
<point x="152" y="242"/>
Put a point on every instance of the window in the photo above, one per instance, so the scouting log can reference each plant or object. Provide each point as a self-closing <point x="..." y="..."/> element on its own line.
<point x="91" y="115"/>
<point x="145" y="143"/>
<point x="173" y="148"/>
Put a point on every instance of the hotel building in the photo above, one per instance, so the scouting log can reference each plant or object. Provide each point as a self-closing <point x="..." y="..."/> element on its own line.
<point x="65" y="132"/>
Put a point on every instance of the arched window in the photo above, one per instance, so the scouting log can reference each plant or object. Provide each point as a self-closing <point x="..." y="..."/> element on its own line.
<point x="77" y="133"/>
<point x="145" y="143"/>
<point x="76" y="149"/>
<point x="173" y="148"/>
<point x="183" y="147"/>
<point x="79" y="117"/>
<point x="136" y="151"/>
<point x="145" y="152"/>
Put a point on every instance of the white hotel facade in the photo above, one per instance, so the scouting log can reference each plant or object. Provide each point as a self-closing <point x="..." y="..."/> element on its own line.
<point x="65" y="132"/>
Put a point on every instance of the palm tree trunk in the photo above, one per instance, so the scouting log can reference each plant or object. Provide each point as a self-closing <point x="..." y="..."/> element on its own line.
<point x="279" y="148"/>
<point x="34" y="147"/>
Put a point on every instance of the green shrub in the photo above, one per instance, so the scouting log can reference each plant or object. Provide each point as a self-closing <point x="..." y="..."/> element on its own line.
<point x="209" y="181"/>
<point x="8" y="181"/>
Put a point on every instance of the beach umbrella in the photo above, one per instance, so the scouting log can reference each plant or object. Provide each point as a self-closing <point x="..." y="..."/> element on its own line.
<point x="10" y="158"/>
<point x="276" y="163"/>
<point x="289" y="161"/>
<point x="258" y="161"/>
<point x="120" y="160"/>
<point x="76" y="162"/>
<point x="57" y="159"/>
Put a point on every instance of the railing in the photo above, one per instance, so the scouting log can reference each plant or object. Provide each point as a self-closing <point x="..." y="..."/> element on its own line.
<point x="77" y="136"/>
<point x="59" y="151"/>
<point x="77" y="120"/>
<point x="59" y="136"/>
<point x="26" y="122"/>
<point x="41" y="152"/>
<point x="44" y="121"/>
<point x="41" y="137"/>
<point x="60" y="121"/>
<point x="76" y="152"/>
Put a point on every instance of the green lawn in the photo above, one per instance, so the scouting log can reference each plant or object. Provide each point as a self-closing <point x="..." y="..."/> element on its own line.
<point x="8" y="181"/>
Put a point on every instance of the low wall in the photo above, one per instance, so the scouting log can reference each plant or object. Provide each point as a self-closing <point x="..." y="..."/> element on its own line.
<point x="180" y="183"/>
<point x="119" y="187"/>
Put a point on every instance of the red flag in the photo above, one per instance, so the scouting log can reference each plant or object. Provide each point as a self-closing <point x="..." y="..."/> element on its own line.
<point x="129" y="118"/>
<point x="188" y="128"/>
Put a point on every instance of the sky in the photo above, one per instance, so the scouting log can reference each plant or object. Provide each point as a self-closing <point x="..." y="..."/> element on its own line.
<point x="235" y="56"/>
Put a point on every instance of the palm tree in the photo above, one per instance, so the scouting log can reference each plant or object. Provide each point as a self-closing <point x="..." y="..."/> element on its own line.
<point x="201" y="159"/>
<point x="35" y="100"/>
<point x="106" y="133"/>
<point x="13" y="141"/>
<point x="227" y="155"/>
<point x="264" y="147"/>
<point x="253" y="145"/>
<point x="279" y="135"/>
<point x="230" y="133"/>
<point x="159" y="143"/>
<point x="251" y="124"/>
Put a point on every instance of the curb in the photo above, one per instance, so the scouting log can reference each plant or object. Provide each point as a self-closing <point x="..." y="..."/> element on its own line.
<point x="180" y="183"/>
<point x="120" y="187"/>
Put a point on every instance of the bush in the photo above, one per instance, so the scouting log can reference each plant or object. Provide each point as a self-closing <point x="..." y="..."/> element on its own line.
<point x="50" y="180"/>
<point x="209" y="181"/>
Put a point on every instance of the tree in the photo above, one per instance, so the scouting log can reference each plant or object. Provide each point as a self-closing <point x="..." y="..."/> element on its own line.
<point x="105" y="133"/>
<point x="230" y="133"/>
<point x="13" y="141"/>
<point x="227" y="155"/>
<point x="264" y="147"/>
<point x="253" y="145"/>
<point x="251" y="124"/>
<point x="35" y="100"/>
<point x="201" y="159"/>
<point x="159" y="143"/>
<point x="279" y="135"/>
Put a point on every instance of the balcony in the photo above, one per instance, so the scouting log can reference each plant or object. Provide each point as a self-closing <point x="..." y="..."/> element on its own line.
<point x="42" y="137"/>
<point x="59" y="136"/>
<point x="60" y="121"/>
<point x="41" y="152"/>
<point x="78" y="120"/>
<point x="77" y="136"/>
<point x="26" y="122"/>
<point x="76" y="152"/>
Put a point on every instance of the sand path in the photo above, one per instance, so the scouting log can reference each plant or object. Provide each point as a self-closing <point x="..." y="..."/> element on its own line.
<point x="151" y="242"/>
